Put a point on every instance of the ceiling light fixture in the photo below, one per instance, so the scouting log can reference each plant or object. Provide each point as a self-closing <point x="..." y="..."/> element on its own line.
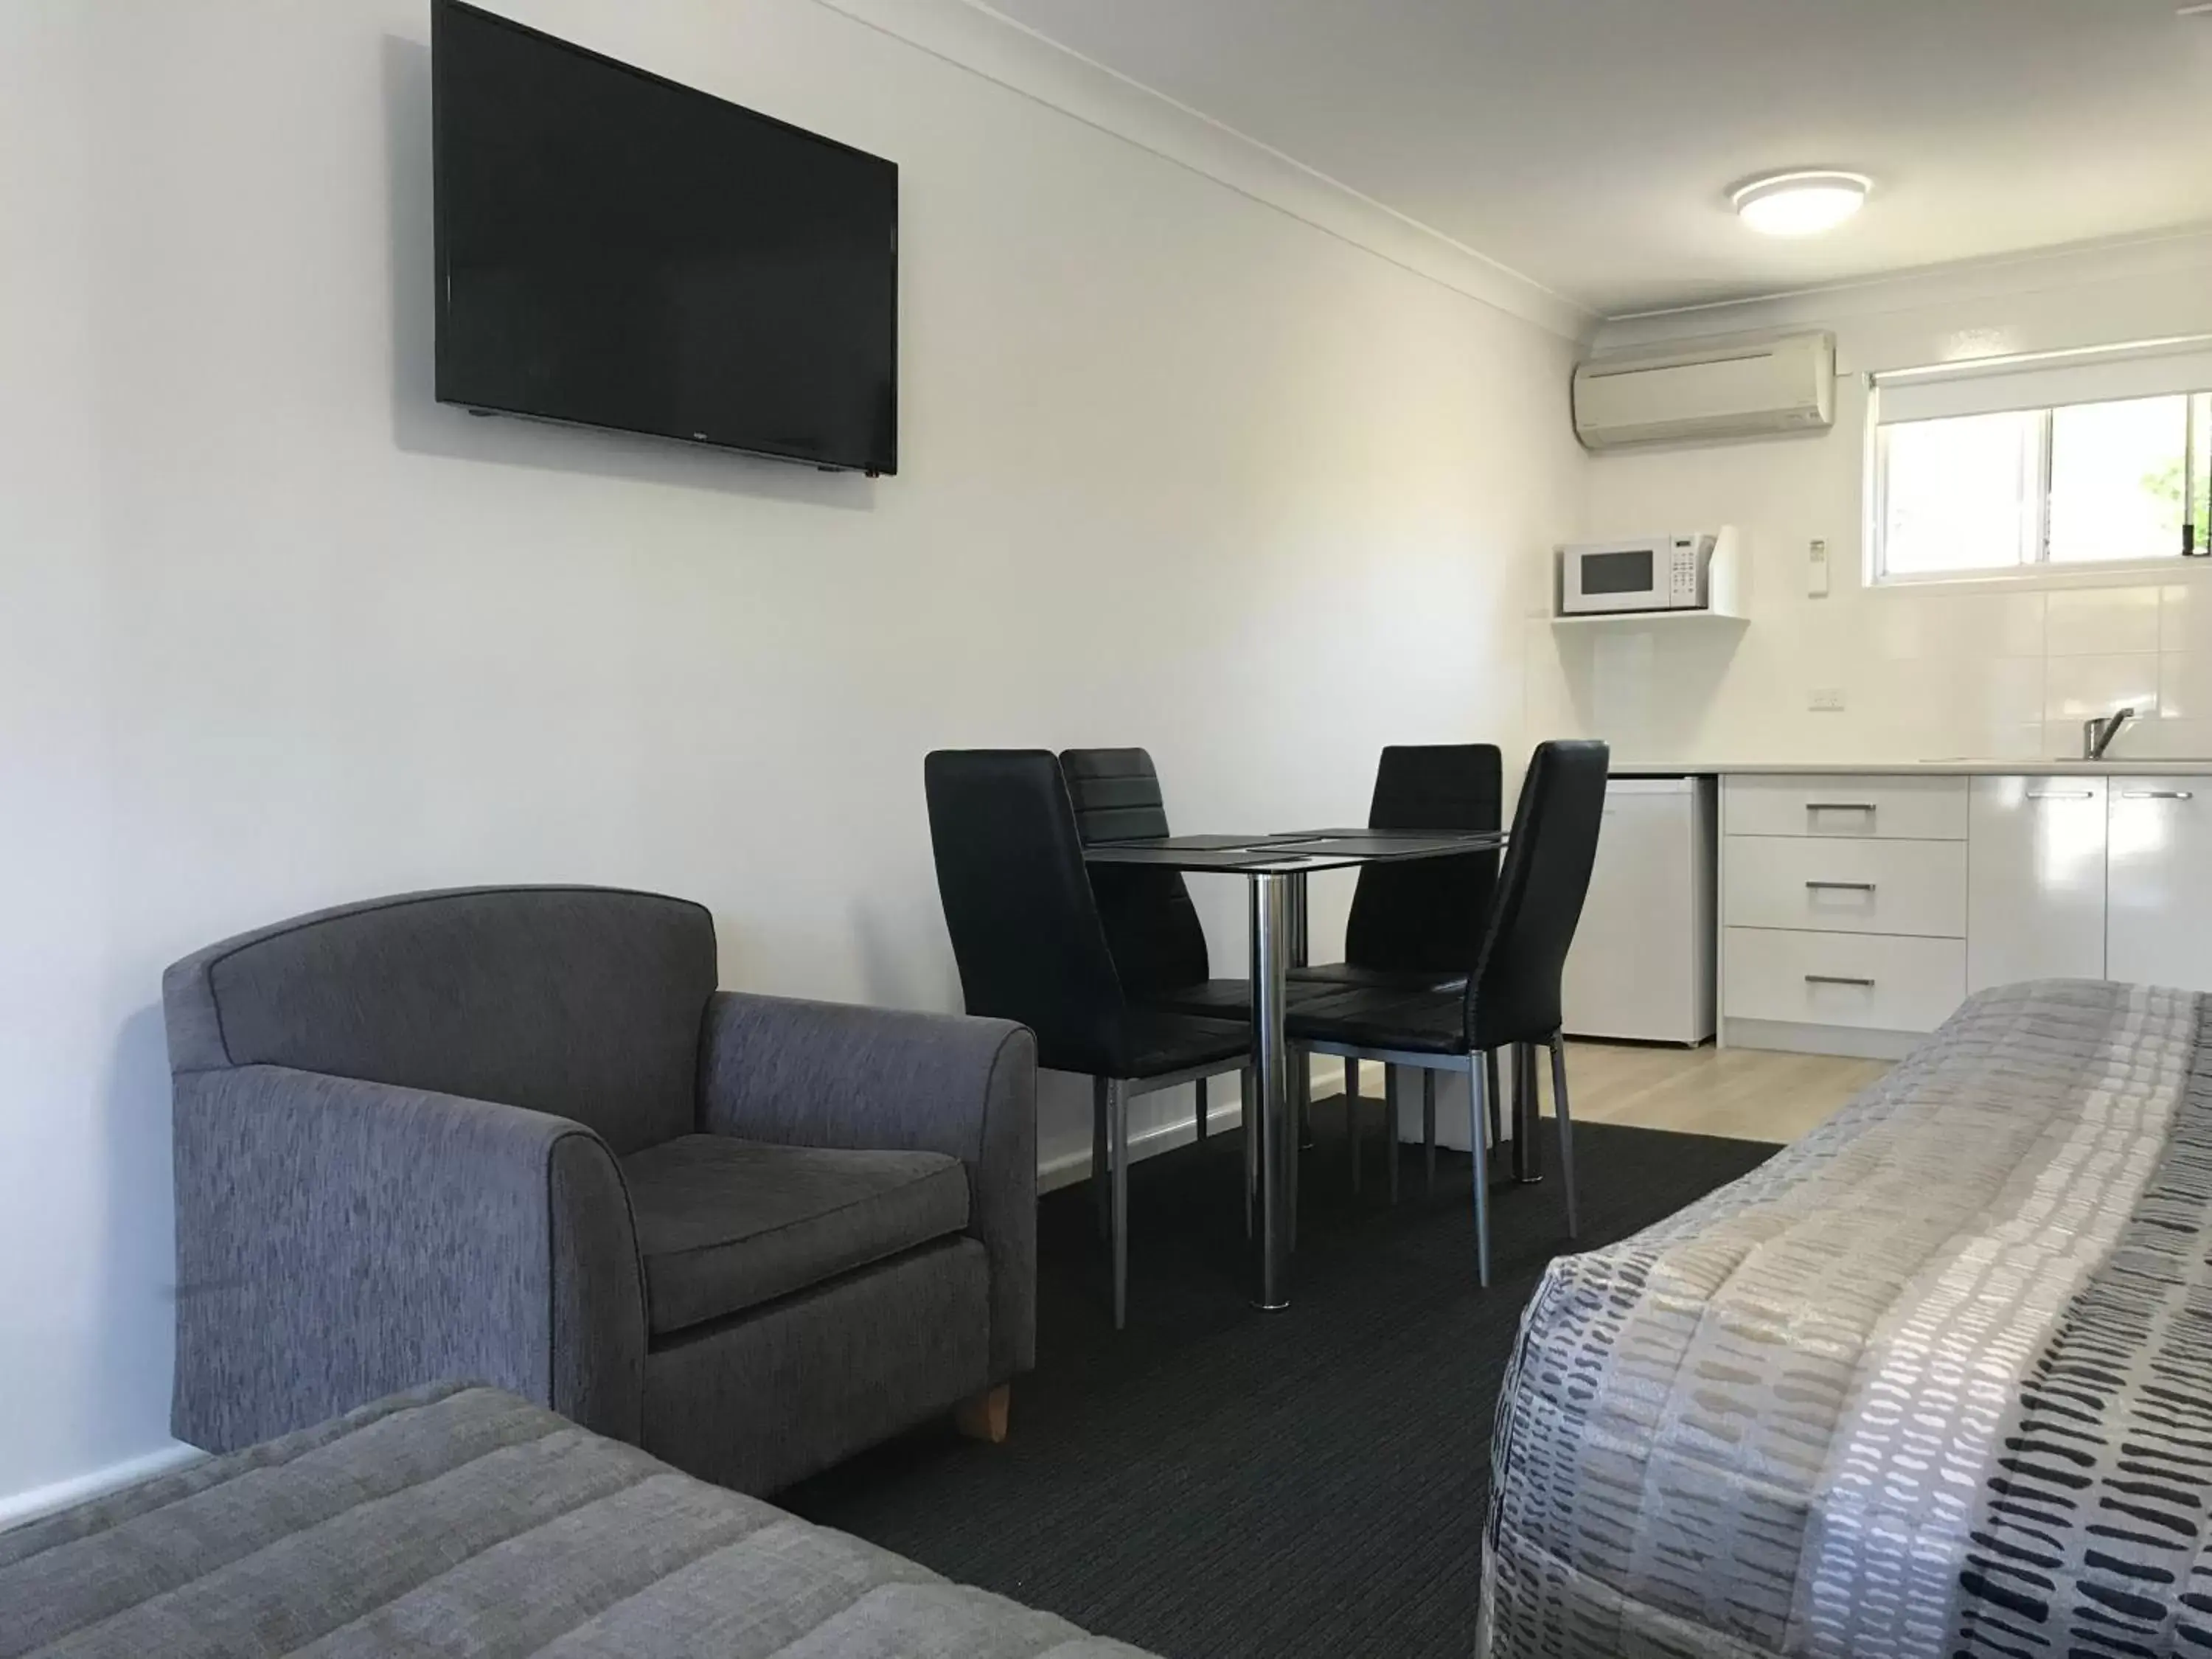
<point x="1800" y="203"/>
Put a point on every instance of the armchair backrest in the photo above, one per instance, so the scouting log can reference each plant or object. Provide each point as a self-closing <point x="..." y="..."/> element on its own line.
<point x="584" y="1002"/>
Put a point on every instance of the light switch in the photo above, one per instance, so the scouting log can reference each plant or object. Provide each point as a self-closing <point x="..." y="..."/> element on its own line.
<point x="1826" y="700"/>
<point x="1816" y="571"/>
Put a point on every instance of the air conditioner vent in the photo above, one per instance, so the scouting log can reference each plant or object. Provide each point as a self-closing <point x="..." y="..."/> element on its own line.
<point x="1686" y="395"/>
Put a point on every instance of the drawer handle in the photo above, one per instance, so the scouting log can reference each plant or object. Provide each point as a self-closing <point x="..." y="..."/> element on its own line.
<point x="1841" y="806"/>
<point x="2158" y="794"/>
<point x="2062" y="794"/>
<point x="1838" y="979"/>
<point x="1840" y="886"/>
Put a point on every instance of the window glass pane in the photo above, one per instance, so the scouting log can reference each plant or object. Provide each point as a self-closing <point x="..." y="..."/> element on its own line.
<point x="2116" y="479"/>
<point x="1961" y="494"/>
<point x="2201" y="515"/>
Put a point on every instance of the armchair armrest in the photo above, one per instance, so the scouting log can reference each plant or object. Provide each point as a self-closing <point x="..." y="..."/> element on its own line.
<point x="832" y="1074"/>
<point x="339" y="1240"/>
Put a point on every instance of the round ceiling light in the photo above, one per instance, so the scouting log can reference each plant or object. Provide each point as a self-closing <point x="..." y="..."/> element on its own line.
<point x="1800" y="203"/>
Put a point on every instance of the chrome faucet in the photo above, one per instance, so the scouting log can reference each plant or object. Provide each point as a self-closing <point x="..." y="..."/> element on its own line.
<point x="2097" y="735"/>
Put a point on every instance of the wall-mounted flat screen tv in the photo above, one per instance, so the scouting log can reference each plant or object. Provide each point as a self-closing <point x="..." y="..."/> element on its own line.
<point x="615" y="250"/>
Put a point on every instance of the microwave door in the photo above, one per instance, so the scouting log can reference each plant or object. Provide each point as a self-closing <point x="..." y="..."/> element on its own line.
<point x="1619" y="579"/>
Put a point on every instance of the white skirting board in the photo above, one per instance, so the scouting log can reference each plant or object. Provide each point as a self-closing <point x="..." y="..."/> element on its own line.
<point x="17" y="1508"/>
<point x="1850" y="1041"/>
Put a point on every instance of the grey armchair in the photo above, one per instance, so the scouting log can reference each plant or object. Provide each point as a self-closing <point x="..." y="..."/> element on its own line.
<point x="516" y="1135"/>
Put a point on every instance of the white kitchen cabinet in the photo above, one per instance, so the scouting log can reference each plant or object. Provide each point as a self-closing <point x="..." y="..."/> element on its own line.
<point x="1859" y="909"/>
<point x="2159" y="882"/>
<point x="1875" y="807"/>
<point x="1844" y="900"/>
<point x="2035" y="900"/>
<point x="1834" y="886"/>
<point x="1862" y="982"/>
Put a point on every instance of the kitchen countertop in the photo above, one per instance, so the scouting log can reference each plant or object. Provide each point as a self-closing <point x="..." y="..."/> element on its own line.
<point x="2117" y="766"/>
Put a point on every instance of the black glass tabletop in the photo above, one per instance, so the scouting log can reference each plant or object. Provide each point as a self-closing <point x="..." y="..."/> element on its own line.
<point x="1292" y="852"/>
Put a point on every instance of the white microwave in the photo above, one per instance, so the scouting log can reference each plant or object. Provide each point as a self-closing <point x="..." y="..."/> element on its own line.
<point x="1646" y="573"/>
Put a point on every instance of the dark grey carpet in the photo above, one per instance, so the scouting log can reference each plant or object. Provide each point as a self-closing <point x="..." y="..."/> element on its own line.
<point x="1216" y="1481"/>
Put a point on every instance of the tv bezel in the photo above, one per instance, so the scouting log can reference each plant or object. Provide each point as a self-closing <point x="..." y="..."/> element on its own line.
<point x="438" y="97"/>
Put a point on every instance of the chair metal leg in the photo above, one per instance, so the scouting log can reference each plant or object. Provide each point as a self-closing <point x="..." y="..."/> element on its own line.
<point x="1478" y="1092"/>
<point x="1428" y="1125"/>
<point x="1391" y="1077"/>
<point x="1352" y="1117"/>
<point x="1496" y="1116"/>
<point x="1302" y="1093"/>
<point x="1566" y="1125"/>
<point x="1101" y="1112"/>
<point x="1201" y="1108"/>
<point x="1120" y="1161"/>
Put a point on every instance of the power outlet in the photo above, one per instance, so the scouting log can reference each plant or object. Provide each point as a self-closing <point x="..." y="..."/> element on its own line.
<point x="1826" y="700"/>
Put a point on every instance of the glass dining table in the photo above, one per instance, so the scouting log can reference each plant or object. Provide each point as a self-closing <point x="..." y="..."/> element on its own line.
<point x="1275" y="868"/>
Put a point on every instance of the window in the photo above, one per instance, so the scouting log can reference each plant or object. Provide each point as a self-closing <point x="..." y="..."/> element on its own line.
<point x="1970" y="478"/>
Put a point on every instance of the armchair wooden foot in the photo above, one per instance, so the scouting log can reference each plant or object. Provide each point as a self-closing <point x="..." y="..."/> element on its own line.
<point x="983" y="1417"/>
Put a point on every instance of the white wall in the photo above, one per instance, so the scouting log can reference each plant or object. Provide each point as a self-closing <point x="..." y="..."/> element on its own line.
<point x="1978" y="669"/>
<point x="278" y="632"/>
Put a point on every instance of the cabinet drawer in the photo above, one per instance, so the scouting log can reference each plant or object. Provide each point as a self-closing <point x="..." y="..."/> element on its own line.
<point x="1831" y="886"/>
<point x="1855" y="808"/>
<point x="1874" y="981"/>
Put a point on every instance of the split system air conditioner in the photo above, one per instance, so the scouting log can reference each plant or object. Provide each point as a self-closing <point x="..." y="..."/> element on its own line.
<point x="1689" y="394"/>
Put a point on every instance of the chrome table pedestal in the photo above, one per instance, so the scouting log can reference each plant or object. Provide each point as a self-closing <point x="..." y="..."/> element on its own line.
<point x="1275" y="868"/>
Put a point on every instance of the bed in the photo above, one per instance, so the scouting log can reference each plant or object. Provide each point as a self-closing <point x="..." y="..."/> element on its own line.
<point x="466" y="1521"/>
<point x="1936" y="1381"/>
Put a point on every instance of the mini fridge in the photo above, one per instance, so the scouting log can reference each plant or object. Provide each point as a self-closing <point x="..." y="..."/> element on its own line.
<point x="1642" y="965"/>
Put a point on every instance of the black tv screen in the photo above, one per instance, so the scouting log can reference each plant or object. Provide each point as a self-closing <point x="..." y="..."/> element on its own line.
<point x="616" y="249"/>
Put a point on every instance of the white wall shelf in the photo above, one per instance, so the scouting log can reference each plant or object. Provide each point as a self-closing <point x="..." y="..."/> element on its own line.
<point x="1655" y="618"/>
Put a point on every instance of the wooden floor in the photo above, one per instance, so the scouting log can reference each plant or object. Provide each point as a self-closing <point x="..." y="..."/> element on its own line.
<point x="1744" y="1093"/>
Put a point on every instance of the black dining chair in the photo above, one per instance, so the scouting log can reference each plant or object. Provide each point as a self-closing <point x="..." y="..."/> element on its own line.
<point x="1418" y="926"/>
<point x="1153" y="929"/>
<point x="1512" y="996"/>
<point x="1031" y="947"/>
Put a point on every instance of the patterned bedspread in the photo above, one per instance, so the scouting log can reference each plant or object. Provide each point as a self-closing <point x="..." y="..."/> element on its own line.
<point x="468" y="1524"/>
<point x="1935" y="1382"/>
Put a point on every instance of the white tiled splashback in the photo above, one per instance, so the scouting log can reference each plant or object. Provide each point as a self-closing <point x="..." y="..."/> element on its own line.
<point x="1927" y="673"/>
<point x="1980" y="668"/>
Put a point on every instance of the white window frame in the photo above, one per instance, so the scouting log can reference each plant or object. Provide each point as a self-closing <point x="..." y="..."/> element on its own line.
<point x="2037" y="384"/>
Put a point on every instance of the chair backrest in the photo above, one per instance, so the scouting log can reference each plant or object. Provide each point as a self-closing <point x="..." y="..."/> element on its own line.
<point x="1428" y="915"/>
<point x="1152" y="926"/>
<point x="585" y="1002"/>
<point x="1017" y="902"/>
<point x="1514" y="996"/>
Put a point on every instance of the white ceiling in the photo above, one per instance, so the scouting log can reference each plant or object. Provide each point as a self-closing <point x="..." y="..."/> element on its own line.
<point x="1588" y="144"/>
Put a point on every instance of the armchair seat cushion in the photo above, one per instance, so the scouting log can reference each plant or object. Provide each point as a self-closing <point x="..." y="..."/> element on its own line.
<point x="726" y="1224"/>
